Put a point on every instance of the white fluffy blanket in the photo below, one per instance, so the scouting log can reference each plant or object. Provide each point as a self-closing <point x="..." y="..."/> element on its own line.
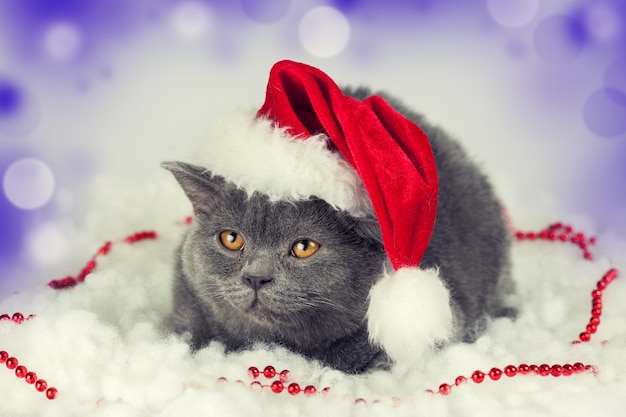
<point x="100" y="343"/>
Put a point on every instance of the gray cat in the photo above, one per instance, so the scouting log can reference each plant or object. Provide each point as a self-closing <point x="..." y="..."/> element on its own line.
<point x="298" y="274"/>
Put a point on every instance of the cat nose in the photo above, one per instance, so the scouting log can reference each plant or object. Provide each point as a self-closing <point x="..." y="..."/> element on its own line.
<point x="255" y="282"/>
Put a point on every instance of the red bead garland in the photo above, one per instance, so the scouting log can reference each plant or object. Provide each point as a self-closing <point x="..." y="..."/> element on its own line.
<point x="30" y="377"/>
<point x="510" y="371"/>
<point x="17" y="318"/>
<point x="278" y="386"/>
<point x="596" y="305"/>
<point x="559" y="232"/>
<point x="70" y="281"/>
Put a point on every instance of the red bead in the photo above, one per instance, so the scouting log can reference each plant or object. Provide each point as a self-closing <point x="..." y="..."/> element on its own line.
<point x="310" y="390"/>
<point x="12" y="363"/>
<point x="41" y="385"/>
<point x="595" y="320"/>
<point x="596" y="303"/>
<point x="552" y="236"/>
<point x="578" y="367"/>
<point x="256" y="386"/>
<point x="83" y="274"/>
<point x="60" y="284"/>
<point x="601" y="284"/>
<point x="531" y="235"/>
<point x="269" y="372"/>
<point x="596" y="293"/>
<point x="18" y="318"/>
<point x="495" y="374"/>
<point x="293" y="389"/>
<point x="21" y="371"/>
<point x="591" y="368"/>
<point x="253" y="371"/>
<point x="3" y="356"/>
<point x="478" y="377"/>
<point x="460" y="380"/>
<point x="325" y="391"/>
<point x="510" y="371"/>
<point x="5" y="317"/>
<point x="563" y="236"/>
<point x="523" y="369"/>
<point x="188" y="220"/>
<point x="284" y="375"/>
<point x="569" y="229"/>
<point x="592" y="328"/>
<point x="105" y="248"/>
<point x="593" y="240"/>
<point x="584" y="337"/>
<point x="596" y="312"/>
<point x="583" y="245"/>
<point x="520" y="235"/>
<point x="587" y="255"/>
<point x="30" y="378"/>
<point x="543" y="234"/>
<point x="277" y="387"/>
<point x="51" y="393"/>
<point x="544" y="369"/>
<point x="568" y="369"/>
<point x="575" y="239"/>
<point x="533" y="368"/>
<point x="444" y="389"/>
<point x="556" y="370"/>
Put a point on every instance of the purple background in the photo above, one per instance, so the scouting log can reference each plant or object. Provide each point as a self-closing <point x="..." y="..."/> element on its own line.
<point x="535" y="90"/>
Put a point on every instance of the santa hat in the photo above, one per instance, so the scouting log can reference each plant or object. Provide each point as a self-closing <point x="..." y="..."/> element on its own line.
<point x="309" y="139"/>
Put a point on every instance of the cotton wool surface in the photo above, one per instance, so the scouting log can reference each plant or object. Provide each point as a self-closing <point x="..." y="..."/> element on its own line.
<point x="102" y="344"/>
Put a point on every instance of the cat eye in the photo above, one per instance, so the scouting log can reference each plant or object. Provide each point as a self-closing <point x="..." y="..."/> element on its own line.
<point x="231" y="240"/>
<point x="304" y="248"/>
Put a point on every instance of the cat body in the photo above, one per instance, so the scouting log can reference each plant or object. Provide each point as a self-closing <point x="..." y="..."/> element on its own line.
<point x="239" y="278"/>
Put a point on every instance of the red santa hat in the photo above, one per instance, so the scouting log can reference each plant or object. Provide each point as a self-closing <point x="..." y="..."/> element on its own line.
<point x="309" y="139"/>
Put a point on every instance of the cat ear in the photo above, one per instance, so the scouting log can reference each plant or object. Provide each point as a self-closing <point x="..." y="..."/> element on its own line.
<point x="200" y="186"/>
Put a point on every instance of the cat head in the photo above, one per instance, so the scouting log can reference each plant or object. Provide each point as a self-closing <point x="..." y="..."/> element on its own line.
<point x="296" y="272"/>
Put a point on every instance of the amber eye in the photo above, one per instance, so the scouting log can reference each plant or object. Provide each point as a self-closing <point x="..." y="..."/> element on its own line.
<point x="304" y="248"/>
<point x="231" y="240"/>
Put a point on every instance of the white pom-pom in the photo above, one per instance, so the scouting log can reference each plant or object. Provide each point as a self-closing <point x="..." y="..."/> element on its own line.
<point x="409" y="311"/>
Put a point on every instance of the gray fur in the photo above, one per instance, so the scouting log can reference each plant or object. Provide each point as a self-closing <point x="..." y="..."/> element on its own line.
<point x="316" y="306"/>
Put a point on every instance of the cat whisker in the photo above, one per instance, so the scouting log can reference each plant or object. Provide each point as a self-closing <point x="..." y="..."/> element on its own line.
<point x="316" y="300"/>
